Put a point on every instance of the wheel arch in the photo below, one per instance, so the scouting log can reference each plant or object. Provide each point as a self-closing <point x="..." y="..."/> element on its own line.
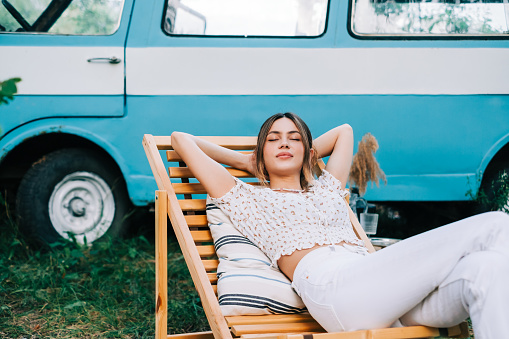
<point x="496" y="157"/>
<point x="24" y="149"/>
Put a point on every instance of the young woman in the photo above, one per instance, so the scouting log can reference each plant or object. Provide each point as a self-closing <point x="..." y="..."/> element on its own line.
<point x="438" y="278"/>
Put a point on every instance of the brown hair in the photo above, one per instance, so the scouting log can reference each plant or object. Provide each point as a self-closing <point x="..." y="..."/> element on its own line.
<point x="309" y="162"/>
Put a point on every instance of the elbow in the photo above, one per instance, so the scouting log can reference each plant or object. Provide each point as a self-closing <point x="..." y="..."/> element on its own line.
<point x="346" y="128"/>
<point x="345" y="133"/>
<point x="177" y="138"/>
<point x="174" y="138"/>
<point x="175" y="135"/>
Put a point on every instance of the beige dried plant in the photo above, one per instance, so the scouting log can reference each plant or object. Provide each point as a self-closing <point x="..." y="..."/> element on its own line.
<point x="365" y="168"/>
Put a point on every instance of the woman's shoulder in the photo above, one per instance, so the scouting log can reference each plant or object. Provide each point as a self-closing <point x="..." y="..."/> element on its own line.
<point x="328" y="181"/>
<point x="240" y="191"/>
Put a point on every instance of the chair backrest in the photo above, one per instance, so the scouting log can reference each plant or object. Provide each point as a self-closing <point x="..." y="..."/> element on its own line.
<point x="186" y="207"/>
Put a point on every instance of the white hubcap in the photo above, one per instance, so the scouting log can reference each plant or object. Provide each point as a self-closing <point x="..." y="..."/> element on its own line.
<point x="82" y="206"/>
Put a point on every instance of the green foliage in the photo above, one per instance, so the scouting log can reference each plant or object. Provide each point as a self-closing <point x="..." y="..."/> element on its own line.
<point x="388" y="9"/>
<point x="495" y="195"/>
<point x="89" y="17"/>
<point x="433" y="18"/>
<point x="107" y="290"/>
<point x="81" y="17"/>
<point x="30" y="10"/>
<point x="8" y="89"/>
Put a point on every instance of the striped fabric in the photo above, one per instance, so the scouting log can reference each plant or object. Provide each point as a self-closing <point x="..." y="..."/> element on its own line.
<point x="247" y="284"/>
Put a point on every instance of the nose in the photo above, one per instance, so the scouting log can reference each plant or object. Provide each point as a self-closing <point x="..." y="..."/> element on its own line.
<point x="284" y="143"/>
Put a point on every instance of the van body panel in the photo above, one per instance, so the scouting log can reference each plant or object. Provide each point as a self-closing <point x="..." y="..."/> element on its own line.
<point x="418" y="146"/>
<point x="28" y="108"/>
<point x="253" y="71"/>
<point x="61" y="70"/>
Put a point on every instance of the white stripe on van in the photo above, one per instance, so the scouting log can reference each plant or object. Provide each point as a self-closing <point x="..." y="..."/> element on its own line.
<point x="49" y="70"/>
<point x="287" y="71"/>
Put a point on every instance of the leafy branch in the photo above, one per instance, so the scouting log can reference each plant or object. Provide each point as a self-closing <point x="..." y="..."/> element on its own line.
<point x="8" y="89"/>
<point x="495" y="195"/>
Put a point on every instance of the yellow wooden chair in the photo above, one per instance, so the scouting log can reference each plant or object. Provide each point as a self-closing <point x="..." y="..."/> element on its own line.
<point x="189" y="222"/>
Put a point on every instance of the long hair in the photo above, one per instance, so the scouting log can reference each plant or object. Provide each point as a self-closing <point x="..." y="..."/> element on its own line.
<point x="309" y="162"/>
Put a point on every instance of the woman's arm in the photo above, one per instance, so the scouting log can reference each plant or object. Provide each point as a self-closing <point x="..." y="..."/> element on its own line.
<point x="338" y="143"/>
<point x="204" y="159"/>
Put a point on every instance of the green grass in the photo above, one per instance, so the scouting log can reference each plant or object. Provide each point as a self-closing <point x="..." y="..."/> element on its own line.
<point x="107" y="290"/>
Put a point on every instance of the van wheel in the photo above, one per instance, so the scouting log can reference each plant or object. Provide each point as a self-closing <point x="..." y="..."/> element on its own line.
<point x="72" y="194"/>
<point x="494" y="192"/>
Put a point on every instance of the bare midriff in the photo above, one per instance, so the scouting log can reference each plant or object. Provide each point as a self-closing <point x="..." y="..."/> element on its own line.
<point x="288" y="263"/>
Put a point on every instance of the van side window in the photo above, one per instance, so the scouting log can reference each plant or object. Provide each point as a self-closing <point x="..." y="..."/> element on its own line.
<point x="287" y="18"/>
<point x="430" y="18"/>
<point x="75" y="17"/>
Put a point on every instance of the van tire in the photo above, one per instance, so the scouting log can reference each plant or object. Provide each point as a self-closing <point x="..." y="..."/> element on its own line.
<point x="72" y="193"/>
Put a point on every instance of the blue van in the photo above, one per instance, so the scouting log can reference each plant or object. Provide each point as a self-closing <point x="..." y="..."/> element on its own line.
<point x="428" y="79"/>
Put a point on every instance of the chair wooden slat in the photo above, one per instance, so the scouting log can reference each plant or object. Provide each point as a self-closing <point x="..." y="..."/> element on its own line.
<point x="233" y="142"/>
<point x="363" y="334"/>
<point x="189" y="188"/>
<point x="268" y="319"/>
<point x="196" y="220"/>
<point x="236" y="143"/>
<point x="212" y="277"/>
<point x="201" y="236"/>
<point x="173" y="156"/>
<point x="277" y="328"/>
<point x="197" y="335"/>
<point x="193" y="205"/>
<point x="412" y="332"/>
<point x="210" y="264"/>
<point x="263" y="336"/>
<point x="185" y="172"/>
<point x="195" y="188"/>
<point x="206" y="251"/>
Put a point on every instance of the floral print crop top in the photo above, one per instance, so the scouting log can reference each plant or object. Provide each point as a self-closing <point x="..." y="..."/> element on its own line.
<point x="280" y="222"/>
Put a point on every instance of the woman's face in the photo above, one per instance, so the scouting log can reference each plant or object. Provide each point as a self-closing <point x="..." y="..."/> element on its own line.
<point x="283" y="151"/>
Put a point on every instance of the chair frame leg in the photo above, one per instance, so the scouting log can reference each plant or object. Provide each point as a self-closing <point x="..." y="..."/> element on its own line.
<point x="161" y="216"/>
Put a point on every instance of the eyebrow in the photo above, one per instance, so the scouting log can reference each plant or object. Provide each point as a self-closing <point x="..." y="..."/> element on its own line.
<point x="278" y="132"/>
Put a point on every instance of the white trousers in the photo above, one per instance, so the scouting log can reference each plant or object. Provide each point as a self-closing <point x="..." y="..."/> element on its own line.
<point x="437" y="278"/>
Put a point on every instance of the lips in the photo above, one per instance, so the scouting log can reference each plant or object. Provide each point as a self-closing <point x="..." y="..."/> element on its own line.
<point x="284" y="155"/>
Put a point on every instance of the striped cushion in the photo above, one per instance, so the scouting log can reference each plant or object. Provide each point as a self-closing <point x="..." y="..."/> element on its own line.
<point x="247" y="284"/>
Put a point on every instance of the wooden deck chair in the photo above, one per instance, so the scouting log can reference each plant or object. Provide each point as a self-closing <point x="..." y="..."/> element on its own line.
<point x="189" y="222"/>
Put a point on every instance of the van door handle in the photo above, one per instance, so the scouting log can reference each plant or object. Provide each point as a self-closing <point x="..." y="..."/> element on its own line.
<point x="112" y="60"/>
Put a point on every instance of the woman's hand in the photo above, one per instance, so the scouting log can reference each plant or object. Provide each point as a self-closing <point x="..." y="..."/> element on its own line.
<point x="250" y="161"/>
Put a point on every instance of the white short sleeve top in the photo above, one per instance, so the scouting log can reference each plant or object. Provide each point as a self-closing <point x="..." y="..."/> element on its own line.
<point x="280" y="222"/>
